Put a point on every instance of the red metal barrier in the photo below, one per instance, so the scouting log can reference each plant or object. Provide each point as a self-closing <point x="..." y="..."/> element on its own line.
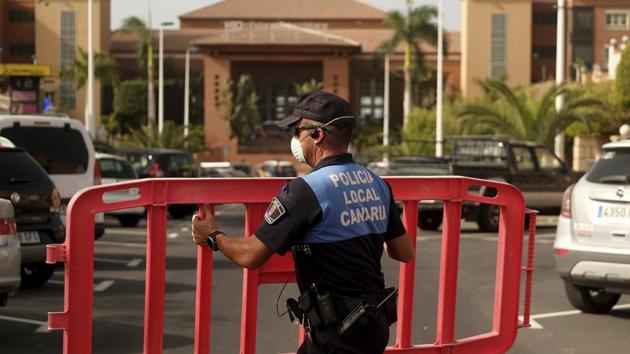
<point x="155" y="194"/>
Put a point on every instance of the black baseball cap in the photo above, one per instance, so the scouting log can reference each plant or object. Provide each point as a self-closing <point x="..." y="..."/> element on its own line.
<point x="322" y="107"/>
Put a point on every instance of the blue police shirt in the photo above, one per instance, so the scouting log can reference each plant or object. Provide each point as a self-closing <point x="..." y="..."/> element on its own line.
<point x="335" y="220"/>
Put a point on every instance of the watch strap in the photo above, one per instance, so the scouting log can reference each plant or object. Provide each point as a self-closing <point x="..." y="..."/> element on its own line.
<point x="212" y="239"/>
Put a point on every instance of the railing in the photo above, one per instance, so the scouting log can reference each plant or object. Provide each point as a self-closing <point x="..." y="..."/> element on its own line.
<point x="155" y="194"/>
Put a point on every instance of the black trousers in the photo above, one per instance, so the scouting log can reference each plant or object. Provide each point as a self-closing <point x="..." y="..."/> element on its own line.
<point x="325" y="339"/>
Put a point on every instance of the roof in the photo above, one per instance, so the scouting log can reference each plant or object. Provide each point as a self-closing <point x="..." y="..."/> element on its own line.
<point x="621" y="144"/>
<point x="281" y="33"/>
<point x="371" y="40"/>
<point x="287" y="10"/>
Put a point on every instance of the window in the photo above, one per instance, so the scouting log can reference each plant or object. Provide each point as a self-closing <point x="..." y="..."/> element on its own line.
<point x="68" y="51"/>
<point x="21" y="16"/>
<point x="498" y="45"/>
<point x="617" y="20"/>
<point x="371" y="103"/>
<point x="111" y="168"/>
<point x="22" y="49"/>
<point x="545" y="52"/>
<point x="613" y="166"/>
<point x="58" y="150"/>
<point x="547" y="160"/>
<point x="545" y="18"/>
<point x="523" y="158"/>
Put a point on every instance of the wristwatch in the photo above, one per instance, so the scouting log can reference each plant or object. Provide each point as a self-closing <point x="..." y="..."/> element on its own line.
<point x="212" y="239"/>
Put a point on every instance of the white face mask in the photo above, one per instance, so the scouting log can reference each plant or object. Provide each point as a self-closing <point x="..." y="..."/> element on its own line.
<point x="296" y="150"/>
<point x="296" y="144"/>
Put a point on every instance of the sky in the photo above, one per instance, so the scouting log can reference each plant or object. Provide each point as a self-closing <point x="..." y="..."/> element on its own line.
<point x="168" y="10"/>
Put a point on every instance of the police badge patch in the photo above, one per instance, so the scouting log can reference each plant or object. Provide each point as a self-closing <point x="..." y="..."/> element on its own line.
<point x="274" y="211"/>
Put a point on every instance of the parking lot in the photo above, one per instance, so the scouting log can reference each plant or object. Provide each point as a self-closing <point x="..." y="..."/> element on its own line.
<point x="119" y="295"/>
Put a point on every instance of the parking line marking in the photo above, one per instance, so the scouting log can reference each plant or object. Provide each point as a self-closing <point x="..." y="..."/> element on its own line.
<point x="533" y="324"/>
<point x="121" y="244"/>
<point x="102" y="286"/>
<point x="563" y="313"/>
<point x="43" y="326"/>
<point x="133" y="263"/>
<point x="127" y="232"/>
<point x="173" y="235"/>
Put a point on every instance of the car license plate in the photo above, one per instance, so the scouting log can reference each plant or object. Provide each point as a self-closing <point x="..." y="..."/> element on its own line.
<point x="613" y="212"/>
<point x="28" y="237"/>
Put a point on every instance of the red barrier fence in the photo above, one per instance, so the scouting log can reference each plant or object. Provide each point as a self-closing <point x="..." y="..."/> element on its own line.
<point x="155" y="194"/>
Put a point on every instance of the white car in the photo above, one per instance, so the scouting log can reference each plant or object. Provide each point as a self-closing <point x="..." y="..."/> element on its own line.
<point x="63" y="148"/>
<point x="10" y="256"/>
<point x="117" y="169"/>
<point x="592" y="246"/>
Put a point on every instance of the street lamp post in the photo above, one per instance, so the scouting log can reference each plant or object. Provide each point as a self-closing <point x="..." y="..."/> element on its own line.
<point x="439" y="143"/>
<point x="89" y="104"/>
<point x="560" y="62"/>
<point x="187" y="93"/>
<point x="161" y="80"/>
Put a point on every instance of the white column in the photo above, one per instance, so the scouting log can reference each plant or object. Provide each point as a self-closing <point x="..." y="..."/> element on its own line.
<point x="439" y="139"/>
<point x="161" y="83"/>
<point x="560" y="68"/>
<point x="386" y="111"/>
<point x="89" y="104"/>
<point x="186" y="93"/>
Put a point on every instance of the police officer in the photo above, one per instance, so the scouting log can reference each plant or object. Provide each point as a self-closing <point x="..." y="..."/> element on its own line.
<point x="336" y="220"/>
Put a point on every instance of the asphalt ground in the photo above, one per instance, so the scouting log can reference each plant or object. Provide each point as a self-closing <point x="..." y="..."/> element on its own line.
<point x="119" y="299"/>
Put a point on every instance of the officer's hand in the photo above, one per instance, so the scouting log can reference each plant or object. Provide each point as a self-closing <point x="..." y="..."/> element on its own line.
<point x="202" y="228"/>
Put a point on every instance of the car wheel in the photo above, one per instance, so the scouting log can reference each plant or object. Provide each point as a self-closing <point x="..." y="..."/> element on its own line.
<point x="99" y="231"/>
<point x="430" y="220"/>
<point x="36" y="274"/>
<point x="590" y="300"/>
<point x="180" y="211"/>
<point x="488" y="220"/>
<point x="129" y="220"/>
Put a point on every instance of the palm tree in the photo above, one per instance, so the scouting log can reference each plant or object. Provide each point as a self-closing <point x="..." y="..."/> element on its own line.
<point x="172" y="137"/>
<point x="136" y="25"/>
<point x="526" y="114"/>
<point x="105" y="69"/>
<point x="416" y="25"/>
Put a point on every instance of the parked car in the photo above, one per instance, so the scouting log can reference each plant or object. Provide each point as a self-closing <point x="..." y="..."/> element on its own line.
<point x="221" y="169"/>
<point x="36" y="205"/>
<point x="533" y="168"/>
<point x="63" y="148"/>
<point x="276" y="168"/>
<point x="116" y="169"/>
<point x="592" y="245"/>
<point x="430" y="211"/>
<point x="150" y="163"/>
<point x="10" y="255"/>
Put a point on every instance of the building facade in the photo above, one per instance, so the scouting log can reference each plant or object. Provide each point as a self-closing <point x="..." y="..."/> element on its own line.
<point x="496" y="42"/>
<point x="48" y="34"/>
<point x="282" y="43"/>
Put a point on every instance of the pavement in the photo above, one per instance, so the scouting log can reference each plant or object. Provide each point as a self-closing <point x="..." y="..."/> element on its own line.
<point x="119" y="298"/>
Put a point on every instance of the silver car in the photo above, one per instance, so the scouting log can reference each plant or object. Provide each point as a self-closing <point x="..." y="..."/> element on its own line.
<point x="10" y="255"/>
<point x="592" y="246"/>
<point x="117" y="169"/>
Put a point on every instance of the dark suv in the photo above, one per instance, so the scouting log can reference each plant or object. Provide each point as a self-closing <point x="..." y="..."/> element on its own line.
<point x="151" y="163"/>
<point x="36" y="203"/>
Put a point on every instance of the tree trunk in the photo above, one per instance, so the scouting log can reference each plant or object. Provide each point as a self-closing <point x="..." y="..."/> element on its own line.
<point x="150" y="87"/>
<point x="407" y="94"/>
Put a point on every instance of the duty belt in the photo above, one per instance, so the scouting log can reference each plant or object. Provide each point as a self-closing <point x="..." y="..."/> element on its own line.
<point x="314" y="309"/>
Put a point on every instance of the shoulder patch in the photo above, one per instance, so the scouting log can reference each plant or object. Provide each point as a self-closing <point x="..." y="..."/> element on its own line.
<point x="274" y="211"/>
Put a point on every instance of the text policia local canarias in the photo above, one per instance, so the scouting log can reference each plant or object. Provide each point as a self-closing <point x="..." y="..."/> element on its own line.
<point x="363" y="193"/>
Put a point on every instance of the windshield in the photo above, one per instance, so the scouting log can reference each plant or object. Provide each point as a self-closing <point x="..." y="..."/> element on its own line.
<point x="111" y="168"/>
<point x="612" y="167"/>
<point x="58" y="150"/>
<point x="18" y="167"/>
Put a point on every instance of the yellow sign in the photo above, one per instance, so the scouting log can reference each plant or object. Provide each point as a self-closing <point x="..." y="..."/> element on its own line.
<point x="24" y="70"/>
